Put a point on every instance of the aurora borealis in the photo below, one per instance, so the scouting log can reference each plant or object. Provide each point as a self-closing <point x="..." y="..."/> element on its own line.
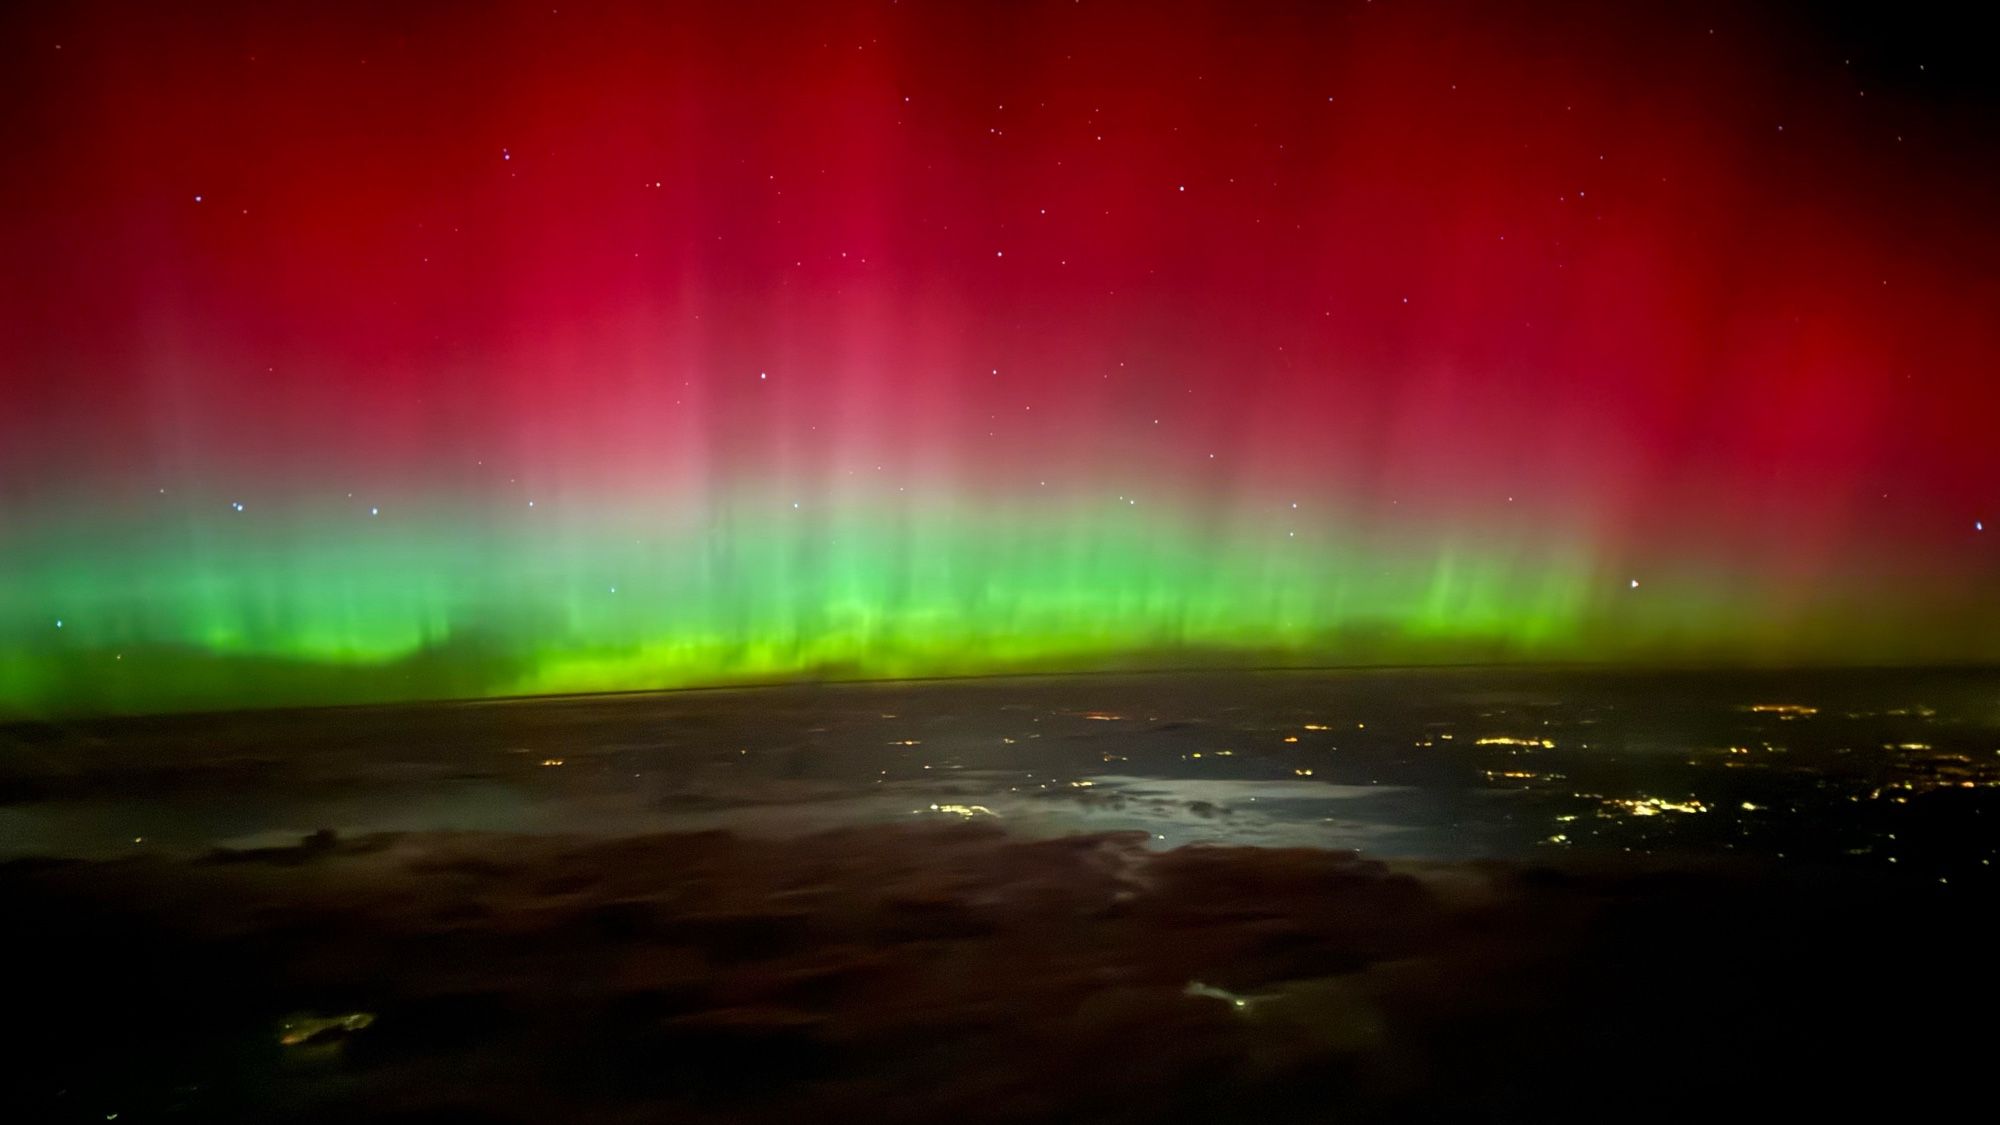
<point x="375" y="351"/>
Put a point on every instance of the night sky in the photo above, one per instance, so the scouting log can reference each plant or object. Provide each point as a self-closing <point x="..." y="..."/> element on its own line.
<point x="387" y="350"/>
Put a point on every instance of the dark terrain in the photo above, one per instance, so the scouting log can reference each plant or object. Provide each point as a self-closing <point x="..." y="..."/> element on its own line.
<point x="1118" y="899"/>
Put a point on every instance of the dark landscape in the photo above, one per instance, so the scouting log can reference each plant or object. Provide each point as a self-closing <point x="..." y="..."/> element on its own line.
<point x="1116" y="898"/>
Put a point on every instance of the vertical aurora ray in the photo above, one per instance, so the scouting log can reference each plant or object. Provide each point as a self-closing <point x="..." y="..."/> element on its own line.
<point x="606" y="350"/>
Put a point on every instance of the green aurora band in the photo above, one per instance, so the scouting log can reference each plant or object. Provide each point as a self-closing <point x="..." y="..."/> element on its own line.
<point x="235" y="611"/>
